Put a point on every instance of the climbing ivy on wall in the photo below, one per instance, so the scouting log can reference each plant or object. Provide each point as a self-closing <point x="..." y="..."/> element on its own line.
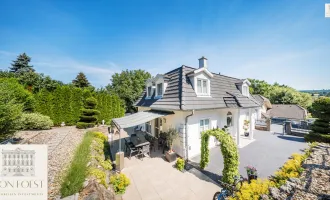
<point x="229" y="151"/>
<point x="65" y="104"/>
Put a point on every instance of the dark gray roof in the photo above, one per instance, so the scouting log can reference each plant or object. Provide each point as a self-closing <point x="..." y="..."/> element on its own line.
<point x="180" y="95"/>
<point x="287" y="111"/>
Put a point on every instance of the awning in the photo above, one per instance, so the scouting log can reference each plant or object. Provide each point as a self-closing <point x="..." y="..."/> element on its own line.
<point x="139" y="118"/>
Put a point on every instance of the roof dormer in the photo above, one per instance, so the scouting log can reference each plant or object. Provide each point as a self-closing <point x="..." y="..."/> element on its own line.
<point x="156" y="86"/>
<point x="201" y="79"/>
<point x="243" y="86"/>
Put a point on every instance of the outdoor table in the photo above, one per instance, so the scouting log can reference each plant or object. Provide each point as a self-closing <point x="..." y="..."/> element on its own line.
<point x="139" y="141"/>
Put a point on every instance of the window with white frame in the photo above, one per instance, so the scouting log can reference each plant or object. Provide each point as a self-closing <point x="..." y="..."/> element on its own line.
<point x="149" y="91"/>
<point x="159" y="89"/>
<point x="202" y="87"/>
<point x="204" y="125"/>
<point x="245" y="90"/>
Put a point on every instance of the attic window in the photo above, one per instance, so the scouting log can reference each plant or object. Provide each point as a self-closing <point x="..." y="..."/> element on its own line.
<point x="159" y="89"/>
<point x="245" y="90"/>
<point x="202" y="87"/>
<point x="149" y="91"/>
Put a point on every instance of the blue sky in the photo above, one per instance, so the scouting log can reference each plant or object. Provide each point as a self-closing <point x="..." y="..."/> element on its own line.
<point x="283" y="41"/>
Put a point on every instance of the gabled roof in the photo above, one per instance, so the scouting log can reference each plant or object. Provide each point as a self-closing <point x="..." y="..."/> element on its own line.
<point x="262" y="100"/>
<point x="287" y="111"/>
<point x="180" y="95"/>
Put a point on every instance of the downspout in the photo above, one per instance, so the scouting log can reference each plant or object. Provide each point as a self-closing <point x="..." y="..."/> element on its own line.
<point x="186" y="134"/>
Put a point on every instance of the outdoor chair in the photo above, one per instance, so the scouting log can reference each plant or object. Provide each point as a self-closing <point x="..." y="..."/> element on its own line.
<point x="144" y="150"/>
<point x="128" y="144"/>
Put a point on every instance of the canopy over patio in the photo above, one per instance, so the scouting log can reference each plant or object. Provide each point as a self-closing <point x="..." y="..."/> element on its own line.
<point x="138" y="118"/>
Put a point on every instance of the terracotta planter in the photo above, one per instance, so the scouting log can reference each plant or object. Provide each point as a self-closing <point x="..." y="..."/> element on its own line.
<point x="170" y="157"/>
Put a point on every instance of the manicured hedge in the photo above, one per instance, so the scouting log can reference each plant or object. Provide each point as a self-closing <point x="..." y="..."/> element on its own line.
<point x="65" y="104"/>
<point x="317" y="137"/>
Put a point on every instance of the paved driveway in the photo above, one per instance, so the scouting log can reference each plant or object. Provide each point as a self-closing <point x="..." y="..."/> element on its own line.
<point x="267" y="153"/>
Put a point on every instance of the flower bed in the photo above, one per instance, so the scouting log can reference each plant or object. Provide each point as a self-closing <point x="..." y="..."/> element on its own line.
<point x="91" y="160"/>
<point x="291" y="169"/>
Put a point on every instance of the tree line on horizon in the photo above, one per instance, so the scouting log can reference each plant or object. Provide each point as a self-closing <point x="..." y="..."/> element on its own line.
<point x="129" y="84"/>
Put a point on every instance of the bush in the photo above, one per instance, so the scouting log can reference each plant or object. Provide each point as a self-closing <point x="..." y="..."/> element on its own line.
<point x="291" y="169"/>
<point x="180" y="164"/>
<point x="317" y="137"/>
<point x="253" y="190"/>
<point x="84" y="125"/>
<point x="76" y="175"/>
<point x="65" y="104"/>
<point x="30" y="121"/>
<point x="119" y="183"/>
<point x="89" y="114"/>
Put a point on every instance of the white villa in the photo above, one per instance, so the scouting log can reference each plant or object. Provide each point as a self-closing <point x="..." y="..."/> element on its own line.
<point x="193" y="100"/>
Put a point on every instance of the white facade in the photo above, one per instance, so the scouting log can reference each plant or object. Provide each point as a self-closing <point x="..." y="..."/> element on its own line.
<point x="217" y="118"/>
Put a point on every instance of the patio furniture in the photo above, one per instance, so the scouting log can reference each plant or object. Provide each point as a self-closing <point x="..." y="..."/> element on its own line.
<point x="152" y="140"/>
<point x="128" y="144"/>
<point x="133" y="150"/>
<point x="138" y="140"/>
<point x="144" y="150"/>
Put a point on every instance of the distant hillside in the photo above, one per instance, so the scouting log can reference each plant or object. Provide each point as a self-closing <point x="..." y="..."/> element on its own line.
<point x="316" y="91"/>
<point x="320" y="92"/>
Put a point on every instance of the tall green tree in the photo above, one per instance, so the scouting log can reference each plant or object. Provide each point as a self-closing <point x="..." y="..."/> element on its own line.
<point x="14" y="99"/>
<point x="128" y="85"/>
<point x="21" y="64"/>
<point x="280" y="94"/>
<point x="81" y="81"/>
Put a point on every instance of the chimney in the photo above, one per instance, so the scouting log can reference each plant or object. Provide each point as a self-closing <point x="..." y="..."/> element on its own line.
<point x="202" y="62"/>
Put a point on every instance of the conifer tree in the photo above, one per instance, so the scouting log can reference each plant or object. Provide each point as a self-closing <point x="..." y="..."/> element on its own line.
<point x="89" y="114"/>
<point x="81" y="81"/>
<point x="21" y="64"/>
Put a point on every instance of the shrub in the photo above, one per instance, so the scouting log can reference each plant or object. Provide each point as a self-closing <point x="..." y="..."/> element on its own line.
<point x="89" y="114"/>
<point x="75" y="177"/>
<point x="65" y="104"/>
<point x="317" y="137"/>
<point x="119" y="183"/>
<point x="291" y="169"/>
<point x="253" y="190"/>
<point x="84" y="125"/>
<point x="180" y="164"/>
<point x="30" y="121"/>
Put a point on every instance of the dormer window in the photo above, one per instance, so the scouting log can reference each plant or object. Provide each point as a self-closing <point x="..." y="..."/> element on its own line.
<point x="160" y="89"/>
<point x="245" y="90"/>
<point x="149" y="91"/>
<point x="202" y="87"/>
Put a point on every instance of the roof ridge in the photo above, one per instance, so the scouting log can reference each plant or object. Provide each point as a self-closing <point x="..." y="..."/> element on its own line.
<point x="217" y="73"/>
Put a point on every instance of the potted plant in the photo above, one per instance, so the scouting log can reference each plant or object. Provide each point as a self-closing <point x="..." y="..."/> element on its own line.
<point x="171" y="135"/>
<point x="246" y="128"/>
<point x="251" y="172"/>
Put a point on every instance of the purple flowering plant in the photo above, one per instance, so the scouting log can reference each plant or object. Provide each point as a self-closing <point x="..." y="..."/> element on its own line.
<point x="251" y="170"/>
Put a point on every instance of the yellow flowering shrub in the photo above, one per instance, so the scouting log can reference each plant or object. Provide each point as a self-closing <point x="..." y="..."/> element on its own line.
<point x="253" y="190"/>
<point x="119" y="183"/>
<point x="291" y="169"/>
